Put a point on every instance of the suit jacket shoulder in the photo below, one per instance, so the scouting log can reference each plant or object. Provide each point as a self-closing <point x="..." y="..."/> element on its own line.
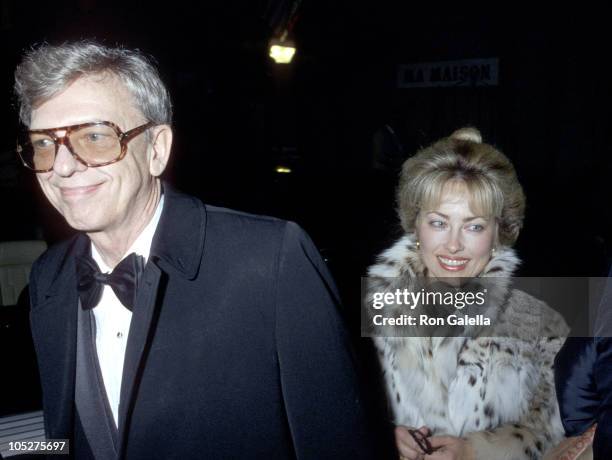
<point x="287" y="242"/>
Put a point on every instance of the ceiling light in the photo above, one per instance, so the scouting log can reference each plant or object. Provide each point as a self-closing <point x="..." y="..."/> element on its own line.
<point x="282" y="51"/>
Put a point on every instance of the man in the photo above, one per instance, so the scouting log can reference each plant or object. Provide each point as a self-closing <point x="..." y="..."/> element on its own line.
<point x="583" y="380"/>
<point x="216" y="334"/>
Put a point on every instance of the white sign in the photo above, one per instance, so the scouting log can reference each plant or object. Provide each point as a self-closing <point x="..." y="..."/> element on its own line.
<point x="466" y="72"/>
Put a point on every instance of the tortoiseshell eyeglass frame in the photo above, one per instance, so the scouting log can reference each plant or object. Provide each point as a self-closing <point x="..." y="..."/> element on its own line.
<point x="124" y="138"/>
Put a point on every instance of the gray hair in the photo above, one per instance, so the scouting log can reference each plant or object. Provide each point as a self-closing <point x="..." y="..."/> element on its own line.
<point x="46" y="70"/>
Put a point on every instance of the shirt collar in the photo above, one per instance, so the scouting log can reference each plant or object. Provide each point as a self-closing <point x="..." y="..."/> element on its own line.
<point x="142" y="244"/>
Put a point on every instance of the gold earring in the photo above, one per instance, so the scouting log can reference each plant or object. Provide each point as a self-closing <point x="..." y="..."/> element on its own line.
<point x="492" y="252"/>
<point x="418" y="244"/>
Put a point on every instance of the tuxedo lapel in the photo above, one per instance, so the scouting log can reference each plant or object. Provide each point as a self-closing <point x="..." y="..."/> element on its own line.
<point x="178" y="243"/>
<point x="176" y="250"/>
<point x="91" y="403"/>
<point x="135" y="354"/>
<point x="54" y="327"/>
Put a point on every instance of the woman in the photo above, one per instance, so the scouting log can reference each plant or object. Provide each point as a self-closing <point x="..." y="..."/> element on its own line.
<point x="461" y="207"/>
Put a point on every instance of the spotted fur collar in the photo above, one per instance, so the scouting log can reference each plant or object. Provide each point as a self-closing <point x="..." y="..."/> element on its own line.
<point x="403" y="258"/>
<point x="400" y="267"/>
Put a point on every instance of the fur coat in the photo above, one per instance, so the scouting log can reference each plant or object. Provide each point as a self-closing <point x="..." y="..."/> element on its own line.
<point x="498" y="391"/>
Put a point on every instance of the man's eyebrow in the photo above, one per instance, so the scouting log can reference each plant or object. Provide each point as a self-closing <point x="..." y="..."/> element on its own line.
<point x="467" y="219"/>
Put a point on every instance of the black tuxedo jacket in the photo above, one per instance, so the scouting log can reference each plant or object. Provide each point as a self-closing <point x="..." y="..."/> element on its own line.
<point x="236" y="347"/>
<point x="583" y="379"/>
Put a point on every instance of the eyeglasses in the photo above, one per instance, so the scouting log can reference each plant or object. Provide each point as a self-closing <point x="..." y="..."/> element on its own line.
<point x="93" y="144"/>
<point x="422" y="441"/>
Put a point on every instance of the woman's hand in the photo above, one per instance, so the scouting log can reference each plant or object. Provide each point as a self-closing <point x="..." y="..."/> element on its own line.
<point x="450" y="448"/>
<point x="407" y="446"/>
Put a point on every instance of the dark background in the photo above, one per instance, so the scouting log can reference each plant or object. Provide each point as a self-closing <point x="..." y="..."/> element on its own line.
<point x="238" y="115"/>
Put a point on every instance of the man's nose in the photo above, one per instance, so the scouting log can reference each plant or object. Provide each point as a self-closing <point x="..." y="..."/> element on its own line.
<point x="454" y="243"/>
<point x="66" y="164"/>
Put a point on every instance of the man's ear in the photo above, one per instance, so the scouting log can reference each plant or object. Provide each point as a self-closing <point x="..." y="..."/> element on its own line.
<point x="160" y="149"/>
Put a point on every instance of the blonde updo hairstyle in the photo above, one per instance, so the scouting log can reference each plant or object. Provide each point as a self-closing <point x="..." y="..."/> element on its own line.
<point x="487" y="173"/>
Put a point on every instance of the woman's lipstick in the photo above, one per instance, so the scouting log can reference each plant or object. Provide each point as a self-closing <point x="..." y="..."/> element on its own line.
<point x="453" y="264"/>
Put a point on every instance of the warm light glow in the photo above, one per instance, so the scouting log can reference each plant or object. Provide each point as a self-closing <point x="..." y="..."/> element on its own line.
<point x="283" y="170"/>
<point x="282" y="54"/>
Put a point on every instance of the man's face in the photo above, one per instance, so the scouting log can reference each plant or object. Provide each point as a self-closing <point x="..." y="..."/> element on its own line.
<point x="99" y="199"/>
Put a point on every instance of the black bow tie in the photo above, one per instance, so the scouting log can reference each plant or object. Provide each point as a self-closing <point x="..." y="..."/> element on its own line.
<point x="123" y="280"/>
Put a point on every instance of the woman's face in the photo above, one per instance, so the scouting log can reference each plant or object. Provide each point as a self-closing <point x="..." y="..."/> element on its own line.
<point x="454" y="241"/>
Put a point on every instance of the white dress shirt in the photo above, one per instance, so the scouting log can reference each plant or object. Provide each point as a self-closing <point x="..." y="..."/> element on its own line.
<point x="113" y="319"/>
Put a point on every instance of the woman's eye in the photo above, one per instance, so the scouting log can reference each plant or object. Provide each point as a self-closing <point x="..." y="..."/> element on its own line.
<point x="476" y="228"/>
<point x="437" y="223"/>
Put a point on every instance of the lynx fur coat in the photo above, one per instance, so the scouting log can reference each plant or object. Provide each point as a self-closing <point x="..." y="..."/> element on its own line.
<point x="497" y="392"/>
